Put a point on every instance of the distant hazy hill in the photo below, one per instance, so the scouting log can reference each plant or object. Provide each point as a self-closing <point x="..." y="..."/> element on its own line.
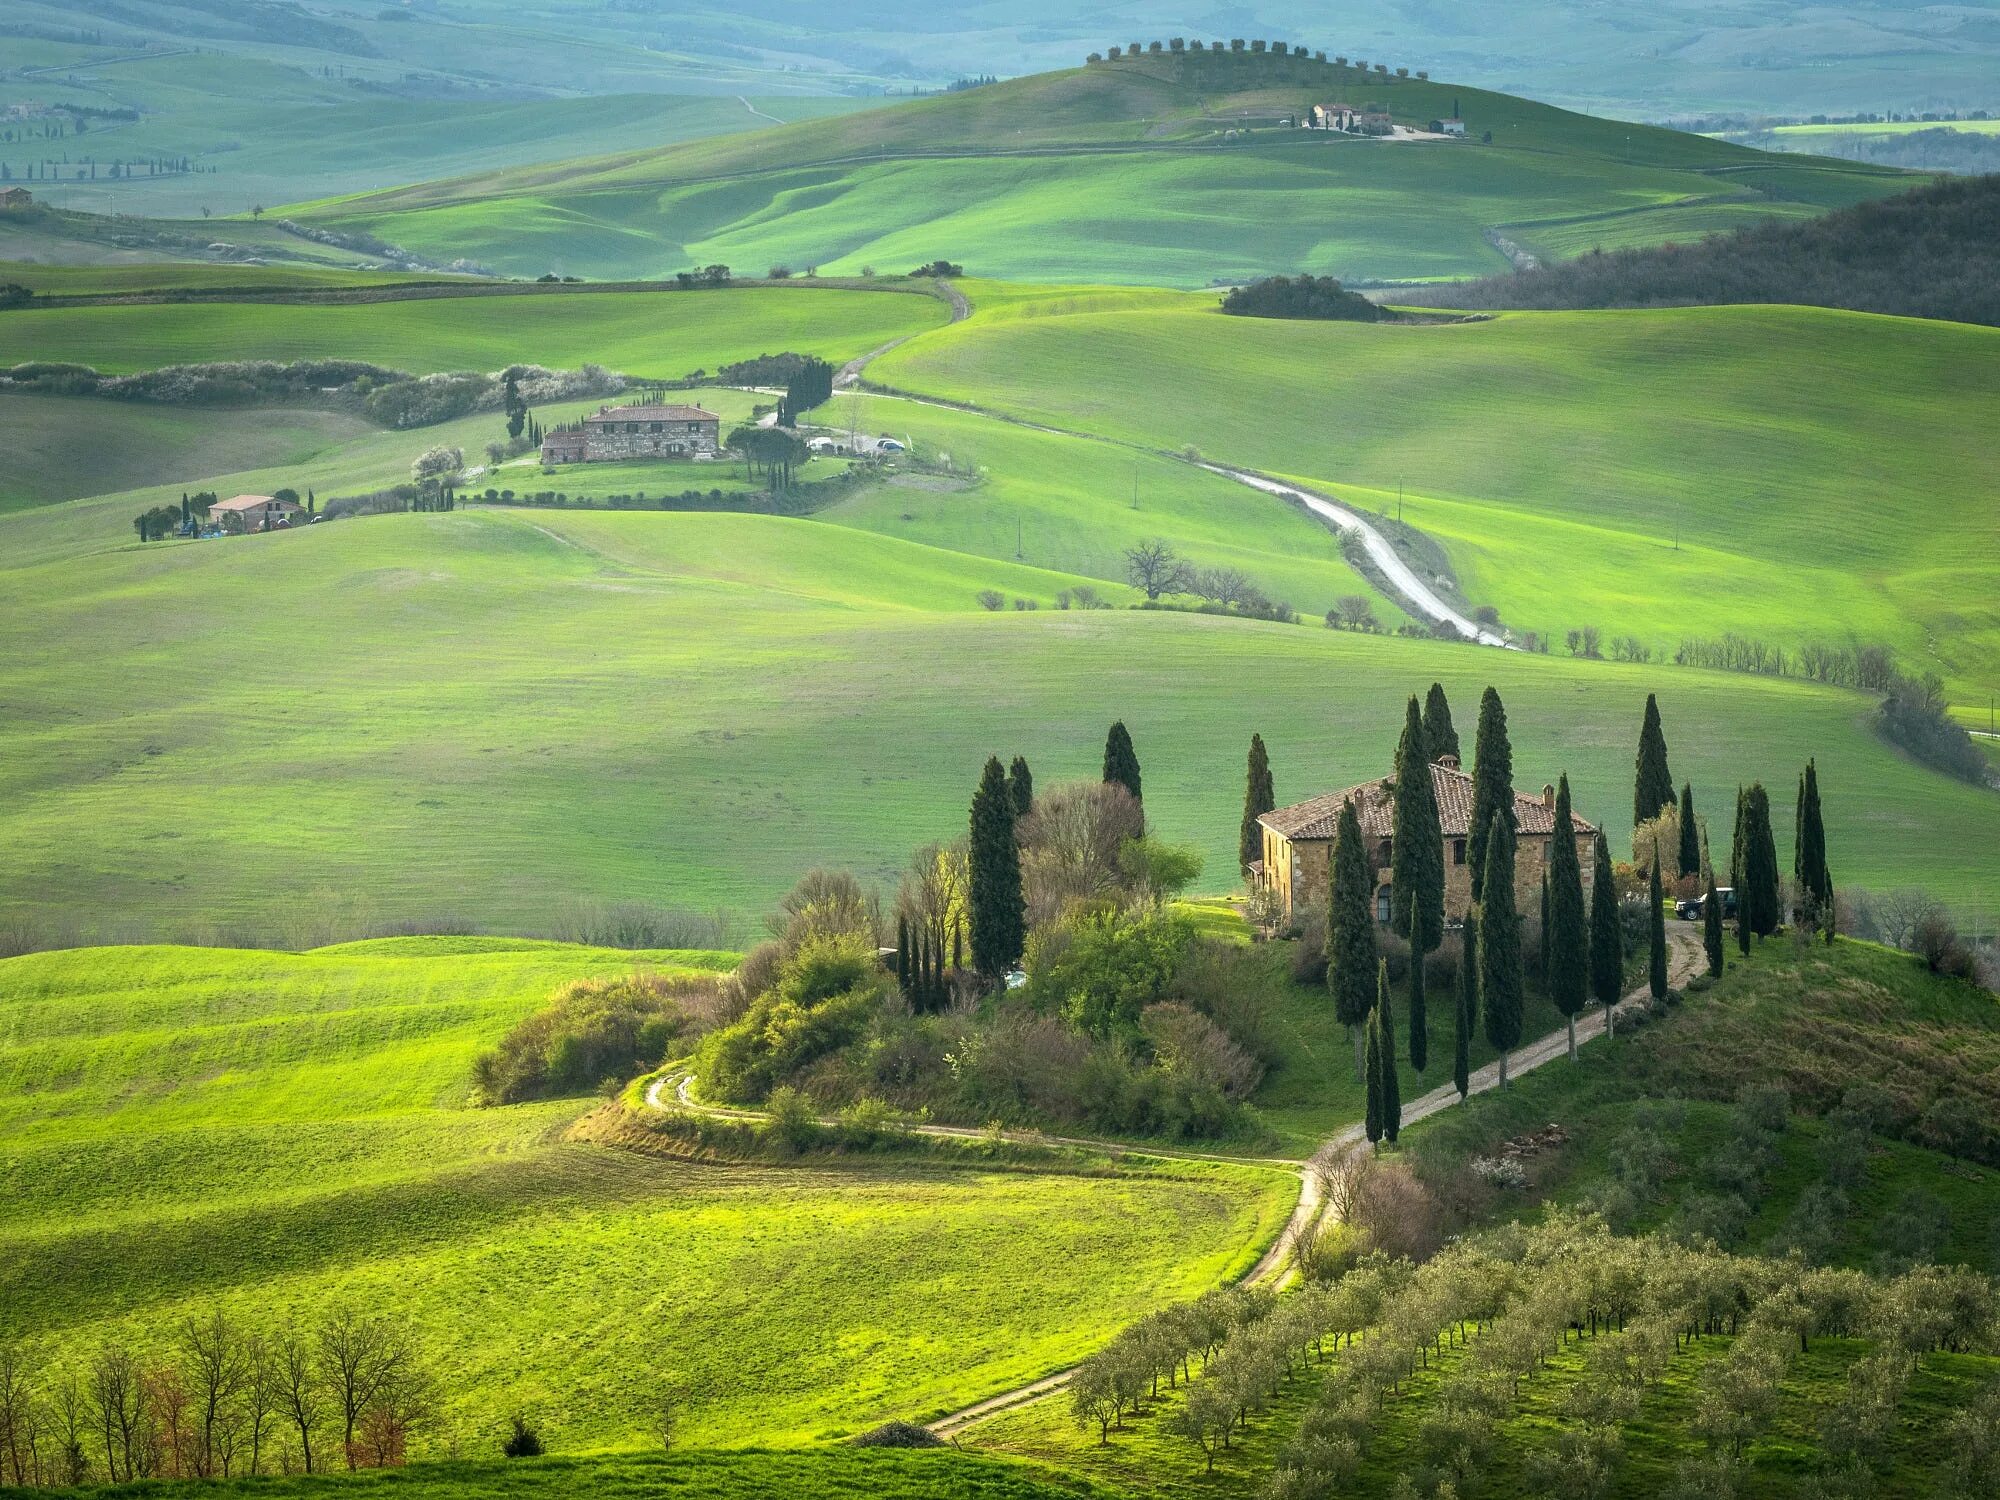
<point x="1930" y="253"/>
<point x="1166" y="169"/>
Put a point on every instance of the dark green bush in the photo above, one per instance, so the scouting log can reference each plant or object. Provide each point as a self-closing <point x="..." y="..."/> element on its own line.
<point x="594" y="1031"/>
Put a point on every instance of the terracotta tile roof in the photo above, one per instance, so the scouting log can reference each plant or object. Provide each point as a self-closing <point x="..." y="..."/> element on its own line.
<point x="653" y="414"/>
<point x="1374" y="804"/>
<point x="247" y="502"/>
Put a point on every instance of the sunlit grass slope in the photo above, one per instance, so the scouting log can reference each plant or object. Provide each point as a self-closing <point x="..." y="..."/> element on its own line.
<point x="487" y="712"/>
<point x="1156" y="171"/>
<point x="1786" y="473"/>
<point x="667" y="333"/>
<point x="59" y="448"/>
<point x="276" y="1132"/>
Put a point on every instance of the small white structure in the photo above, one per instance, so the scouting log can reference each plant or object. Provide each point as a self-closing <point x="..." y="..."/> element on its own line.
<point x="1452" y="126"/>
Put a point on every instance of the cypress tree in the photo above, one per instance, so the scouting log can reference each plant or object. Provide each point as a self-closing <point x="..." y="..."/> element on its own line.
<point x="1568" y="934"/>
<point x="1468" y="1006"/>
<point x="1392" y="1086"/>
<point x="1021" y="786"/>
<point x="1690" y="860"/>
<point x="1739" y="846"/>
<point x="1815" y="880"/>
<point x="1607" y="937"/>
<point x="1416" y="863"/>
<point x="998" y="915"/>
<point x="1656" y="937"/>
<point x="1350" y="934"/>
<point x="1711" y="929"/>
<point x="1542" y="932"/>
<point x="903" y="954"/>
<point x="1439" y="736"/>
<point x="1500" y="944"/>
<point x="1121" y="761"/>
<point x="1258" y="798"/>
<point x="1760" y="864"/>
<point x="1372" y="1067"/>
<point x="1653" y="786"/>
<point x="1492" y="785"/>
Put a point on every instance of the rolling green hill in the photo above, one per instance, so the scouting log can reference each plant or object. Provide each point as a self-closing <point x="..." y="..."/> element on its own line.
<point x="279" y="1133"/>
<point x="1140" y="170"/>
<point x="499" y="710"/>
<point x="1785" y="473"/>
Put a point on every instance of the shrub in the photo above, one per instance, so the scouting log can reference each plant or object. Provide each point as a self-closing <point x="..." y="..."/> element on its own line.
<point x="1315" y="297"/>
<point x="522" y="1442"/>
<point x="1106" y="967"/>
<point x="789" y="1123"/>
<point x="899" y="1435"/>
<point x="1193" y="1050"/>
<point x="823" y="999"/>
<point x="992" y="599"/>
<point x="593" y="1031"/>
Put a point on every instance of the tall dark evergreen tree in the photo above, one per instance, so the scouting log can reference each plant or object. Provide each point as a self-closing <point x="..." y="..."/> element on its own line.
<point x="1350" y="931"/>
<point x="1468" y="1005"/>
<point x="903" y="953"/>
<point x="1439" y="735"/>
<point x="1690" y="851"/>
<point x="1259" y="797"/>
<point x="1542" y="931"/>
<point x="1656" y="938"/>
<point x="1809" y="867"/>
<point x="1500" y="985"/>
<point x="1391" y="1085"/>
<point x="1021" y="786"/>
<point x="999" y="919"/>
<point x="1760" y="865"/>
<point x="1492" y="785"/>
<point x="1711" y="929"/>
<point x="1371" y="1061"/>
<point x="1416" y="862"/>
<point x="1121" y="761"/>
<point x="1607" y="936"/>
<point x="1739" y="854"/>
<point x="1653" y="787"/>
<point x="1568" y="940"/>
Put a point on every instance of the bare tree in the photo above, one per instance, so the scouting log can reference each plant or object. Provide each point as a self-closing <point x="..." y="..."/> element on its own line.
<point x="1225" y="586"/>
<point x="1354" y="612"/>
<point x="298" y="1388"/>
<point x="263" y="1395"/>
<point x="359" y="1357"/>
<point x="1070" y="844"/>
<point x="19" y="1453"/>
<point x="114" y="1407"/>
<point x="667" y="1402"/>
<point x="1901" y="912"/>
<point x="1154" y="567"/>
<point x="216" y="1358"/>
<point x="72" y="1414"/>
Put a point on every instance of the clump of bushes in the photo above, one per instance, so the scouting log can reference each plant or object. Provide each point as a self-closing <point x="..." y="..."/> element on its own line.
<point x="899" y="1435"/>
<point x="1317" y="297"/>
<point x="823" y="998"/>
<point x="595" y="1031"/>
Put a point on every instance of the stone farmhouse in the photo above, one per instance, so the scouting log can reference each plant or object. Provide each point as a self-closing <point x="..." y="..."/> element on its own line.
<point x="1344" y="117"/>
<point x="254" y="513"/>
<point x="16" y="197"/>
<point x="1298" y="843"/>
<point x="615" y="433"/>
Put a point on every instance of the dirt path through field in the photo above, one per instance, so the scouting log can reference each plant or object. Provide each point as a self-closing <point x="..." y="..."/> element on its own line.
<point x="1273" y="1268"/>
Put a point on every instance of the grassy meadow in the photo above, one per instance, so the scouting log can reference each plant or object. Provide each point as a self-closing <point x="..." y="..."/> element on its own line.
<point x="1840" y="507"/>
<point x="687" y="710"/>
<point x="665" y="334"/>
<point x="277" y="1133"/>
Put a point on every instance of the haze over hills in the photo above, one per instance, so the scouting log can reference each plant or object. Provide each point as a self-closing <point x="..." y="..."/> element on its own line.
<point x="277" y="102"/>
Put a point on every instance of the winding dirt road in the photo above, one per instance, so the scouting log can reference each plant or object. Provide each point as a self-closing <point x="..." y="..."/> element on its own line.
<point x="1274" y="1267"/>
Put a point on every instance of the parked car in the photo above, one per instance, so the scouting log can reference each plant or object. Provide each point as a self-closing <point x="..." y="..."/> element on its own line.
<point x="1690" y="910"/>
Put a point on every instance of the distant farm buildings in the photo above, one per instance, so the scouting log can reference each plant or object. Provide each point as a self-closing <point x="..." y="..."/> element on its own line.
<point x="15" y="197"/>
<point x="254" y="513"/>
<point x="1347" y="118"/>
<point x="615" y="433"/>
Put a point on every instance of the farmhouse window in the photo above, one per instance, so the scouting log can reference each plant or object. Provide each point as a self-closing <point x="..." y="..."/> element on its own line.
<point x="1458" y="851"/>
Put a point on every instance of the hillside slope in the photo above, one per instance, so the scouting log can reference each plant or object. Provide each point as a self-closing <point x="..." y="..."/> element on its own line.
<point x="1143" y="169"/>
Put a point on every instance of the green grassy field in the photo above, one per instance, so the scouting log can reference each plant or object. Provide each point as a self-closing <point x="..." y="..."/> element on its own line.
<point x="1526" y="438"/>
<point x="665" y="334"/>
<point x="1889" y="127"/>
<point x="87" y="280"/>
<point x="61" y="448"/>
<point x="1128" y="173"/>
<point x="277" y="1133"/>
<point x="688" y="710"/>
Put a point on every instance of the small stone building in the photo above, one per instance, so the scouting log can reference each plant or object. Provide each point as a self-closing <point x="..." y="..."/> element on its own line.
<point x="254" y="513"/>
<point x="615" y="433"/>
<point x="1298" y="843"/>
<point x="16" y="197"/>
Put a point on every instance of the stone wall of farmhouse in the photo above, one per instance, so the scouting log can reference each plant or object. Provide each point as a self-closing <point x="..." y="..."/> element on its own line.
<point x="622" y="440"/>
<point x="1302" y="872"/>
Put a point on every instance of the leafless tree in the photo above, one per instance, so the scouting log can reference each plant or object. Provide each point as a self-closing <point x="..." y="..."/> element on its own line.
<point x="19" y="1445"/>
<point x="1354" y="612"/>
<point x="1070" y="844"/>
<point x="1154" y="567"/>
<point x="263" y="1395"/>
<point x="359" y="1357"/>
<point x="1901" y="912"/>
<point x="297" y="1370"/>
<point x="216" y="1364"/>
<point x="1226" y="586"/>
<point x="667" y="1401"/>
<point x="115" y="1408"/>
